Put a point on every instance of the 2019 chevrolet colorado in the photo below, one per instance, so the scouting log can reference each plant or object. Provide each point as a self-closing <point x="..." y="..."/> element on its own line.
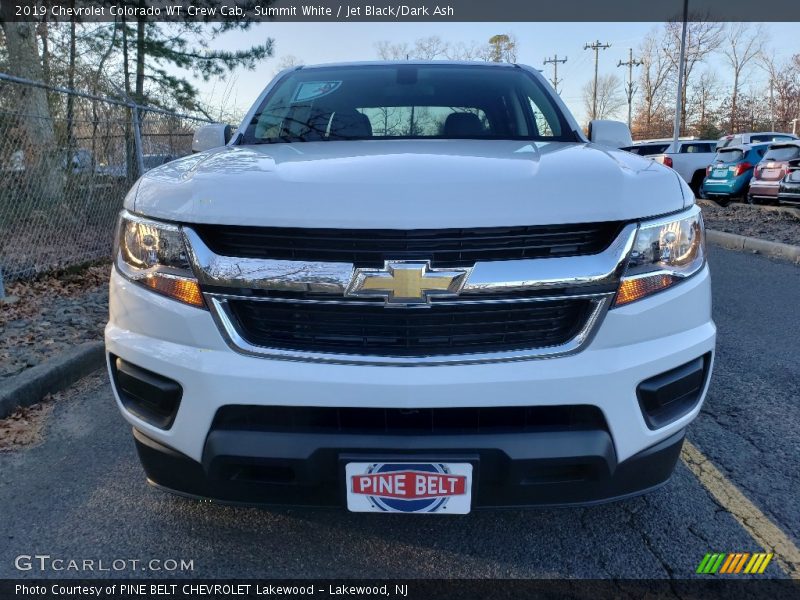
<point x="410" y="287"/>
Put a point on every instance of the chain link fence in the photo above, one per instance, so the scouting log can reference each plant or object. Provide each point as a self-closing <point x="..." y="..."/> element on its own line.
<point x="67" y="159"/>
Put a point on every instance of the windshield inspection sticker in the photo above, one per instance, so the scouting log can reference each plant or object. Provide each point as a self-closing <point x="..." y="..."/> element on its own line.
<point x="315" y="89"/>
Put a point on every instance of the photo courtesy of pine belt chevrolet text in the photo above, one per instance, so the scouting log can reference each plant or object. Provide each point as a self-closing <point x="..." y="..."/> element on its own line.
<point x="410" y="287"/>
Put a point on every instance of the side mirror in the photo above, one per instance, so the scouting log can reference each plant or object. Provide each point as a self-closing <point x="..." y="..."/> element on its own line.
<point x="610" y="133"/>
<point x="211" y="136"/>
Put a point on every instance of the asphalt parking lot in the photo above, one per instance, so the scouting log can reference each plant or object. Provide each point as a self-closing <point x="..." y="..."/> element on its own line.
<point x="81" y="494"/>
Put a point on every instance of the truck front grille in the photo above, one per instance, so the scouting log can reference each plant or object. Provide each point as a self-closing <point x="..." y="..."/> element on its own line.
<point x="443" y="247"/>
<point x="441" y="329"/>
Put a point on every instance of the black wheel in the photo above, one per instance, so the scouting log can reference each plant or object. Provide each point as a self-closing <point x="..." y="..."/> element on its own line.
<point x="722" y="200"/>
<point x="750" y="200"/>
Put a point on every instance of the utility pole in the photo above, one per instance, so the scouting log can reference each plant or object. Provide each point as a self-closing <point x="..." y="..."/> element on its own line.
<point x="771" y="103"/>
<point x="676" y="130"/>
<point x="630" y="64"/>
<point x="597" y="46"/>
<point x="555" y="61"/>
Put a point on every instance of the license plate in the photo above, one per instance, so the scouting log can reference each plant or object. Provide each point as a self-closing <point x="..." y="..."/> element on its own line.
<point x="406" y="487"/>
<point x="719" y="173"/>
<point x="770" y="173"/>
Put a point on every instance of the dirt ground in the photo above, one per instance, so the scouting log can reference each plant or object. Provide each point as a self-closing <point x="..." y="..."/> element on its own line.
<point x="752" y="221"/>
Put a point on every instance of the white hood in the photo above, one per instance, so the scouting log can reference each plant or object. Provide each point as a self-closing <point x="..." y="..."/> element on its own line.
<point x="408" y="184"/>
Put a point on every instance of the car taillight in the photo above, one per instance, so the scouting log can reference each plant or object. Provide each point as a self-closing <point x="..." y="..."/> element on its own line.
<point x="741" y="168"/>
<point x="668" y="162"/>
<point x="708" y="171"/>
<point x="756" y="172"/>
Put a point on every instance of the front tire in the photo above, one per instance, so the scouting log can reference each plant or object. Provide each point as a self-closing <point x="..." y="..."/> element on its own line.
<point x="697" y="183"/>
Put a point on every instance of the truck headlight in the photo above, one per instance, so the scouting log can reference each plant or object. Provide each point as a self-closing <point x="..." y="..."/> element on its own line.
<point x="154" y="254"/>
<point x="665" y="252"/>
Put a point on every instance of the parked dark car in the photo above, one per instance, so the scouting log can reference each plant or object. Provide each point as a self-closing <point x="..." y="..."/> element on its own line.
<point x="647" y="148"/>
<point x="771" y="170"/>
<point x="789" y="189"/>
<point x="730" y="173"/>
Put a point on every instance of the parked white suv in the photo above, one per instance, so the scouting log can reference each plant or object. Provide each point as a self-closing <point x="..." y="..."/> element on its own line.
<point x="740" y="139"/>
<point x="410" y="287"/>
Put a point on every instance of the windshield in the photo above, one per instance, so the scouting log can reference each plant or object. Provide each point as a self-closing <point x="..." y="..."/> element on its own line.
<point x="727" y="156"/>
<point x="769" y="138"/>
<point x="407" y="101"/>
<point x="782" y="153"/>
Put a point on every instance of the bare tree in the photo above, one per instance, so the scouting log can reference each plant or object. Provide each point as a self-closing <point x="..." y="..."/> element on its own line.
<point x="742" y="45"/>
<point x="702" y="100"/>
<point x="39" y="140"/>
<point x="430" y="48"/>
<point x="499" y="48"/>
<point x="654" y="84"/>
<point x="784" y="82"/>
<point x="702" y="39"/>
<point x="610" y="99"/>
<point x="24" y="61"/>
<point x="471" y="51"/>
<point x="389" y="51"/>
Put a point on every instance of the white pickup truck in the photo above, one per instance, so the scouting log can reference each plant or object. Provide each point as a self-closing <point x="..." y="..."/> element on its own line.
<point x="690" y="159"/>
<point x="410" y="287"/>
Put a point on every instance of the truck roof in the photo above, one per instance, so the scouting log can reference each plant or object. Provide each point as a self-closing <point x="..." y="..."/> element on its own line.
<point x="373" y="63"/>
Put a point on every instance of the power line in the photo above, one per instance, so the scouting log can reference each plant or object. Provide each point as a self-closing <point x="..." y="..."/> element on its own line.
<point x="597" y="46"/>
<point x="555" y="61"/>
<point x="631" y="89"/>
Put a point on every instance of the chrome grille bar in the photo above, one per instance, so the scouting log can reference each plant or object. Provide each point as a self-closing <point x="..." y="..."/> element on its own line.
<point x="333" y="278"/>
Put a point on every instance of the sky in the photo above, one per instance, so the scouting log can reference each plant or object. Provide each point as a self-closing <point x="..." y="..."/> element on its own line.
<point x="315" y="43"/>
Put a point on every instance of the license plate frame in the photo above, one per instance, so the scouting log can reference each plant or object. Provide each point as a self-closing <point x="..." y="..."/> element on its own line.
<point x="390" y="485"/>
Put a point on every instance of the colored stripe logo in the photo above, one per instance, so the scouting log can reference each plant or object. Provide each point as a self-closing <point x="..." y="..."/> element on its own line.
<point x="734" y="563"/>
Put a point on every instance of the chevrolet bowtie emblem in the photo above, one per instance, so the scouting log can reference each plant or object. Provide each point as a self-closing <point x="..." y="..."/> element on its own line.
<point x="407" y="282"/>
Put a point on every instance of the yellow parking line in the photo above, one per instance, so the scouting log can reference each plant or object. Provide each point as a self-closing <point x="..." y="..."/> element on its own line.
<point x="756" y="523"/>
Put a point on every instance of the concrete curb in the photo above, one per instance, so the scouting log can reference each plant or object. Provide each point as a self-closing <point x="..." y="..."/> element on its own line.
<point x="55" y="374"/>
<point x="734" y="241"/>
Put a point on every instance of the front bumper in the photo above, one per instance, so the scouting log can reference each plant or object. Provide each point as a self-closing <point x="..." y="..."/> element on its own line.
<point x="634" y="343"/>
<point x="510" y="470"/>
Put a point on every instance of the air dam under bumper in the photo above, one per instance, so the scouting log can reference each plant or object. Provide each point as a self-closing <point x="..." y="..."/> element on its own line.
<point x="529" y="469"/>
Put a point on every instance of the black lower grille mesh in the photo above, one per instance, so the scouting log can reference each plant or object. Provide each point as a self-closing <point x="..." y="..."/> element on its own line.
<point x="414" y="421"/>
<point x="440" y="329"/>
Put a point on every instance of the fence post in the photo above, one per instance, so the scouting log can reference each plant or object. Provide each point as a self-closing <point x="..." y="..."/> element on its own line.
<point x="137" y="139"/>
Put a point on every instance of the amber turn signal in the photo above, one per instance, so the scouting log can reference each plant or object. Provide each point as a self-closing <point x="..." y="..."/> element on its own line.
<point x="185" y="290"/>
<point x="635" y="289"/>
